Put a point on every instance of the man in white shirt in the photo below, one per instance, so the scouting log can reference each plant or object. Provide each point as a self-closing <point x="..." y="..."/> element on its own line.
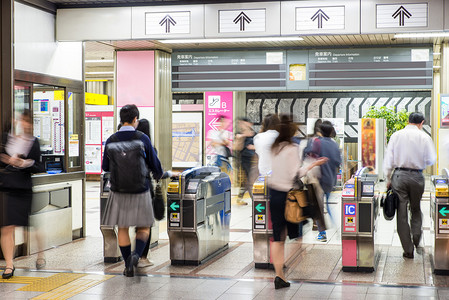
<point x="409" y="151"/>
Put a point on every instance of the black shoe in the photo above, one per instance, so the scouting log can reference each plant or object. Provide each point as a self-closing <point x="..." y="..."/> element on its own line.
<point x="8" y="275"/>
<point x="131" y="263"/>
<point x="408" y="255"/>
<point x="280" y="283"/>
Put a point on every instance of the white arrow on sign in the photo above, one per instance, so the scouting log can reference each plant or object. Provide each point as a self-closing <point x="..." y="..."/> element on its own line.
<point x="214" y="124"/>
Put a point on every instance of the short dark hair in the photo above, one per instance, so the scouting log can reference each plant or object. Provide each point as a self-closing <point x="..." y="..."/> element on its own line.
<point x="416" y="118"/>
<point x="128" y="113"/>
<point x="144" y="126"/>
<point x="327" y="129"/>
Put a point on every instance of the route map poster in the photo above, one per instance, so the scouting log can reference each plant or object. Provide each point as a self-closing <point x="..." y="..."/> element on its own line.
<point x="217" y="104"/>
<point x="187" y="140"/>
<point x="444" y="108"/>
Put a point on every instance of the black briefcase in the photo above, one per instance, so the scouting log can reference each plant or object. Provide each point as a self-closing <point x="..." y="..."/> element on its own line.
<point x="389" y="203"/>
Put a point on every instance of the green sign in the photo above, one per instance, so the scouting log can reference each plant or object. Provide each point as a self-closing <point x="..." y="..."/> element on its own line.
<point x="444" y="211"/>
<point x="260" y="207"/>
<point x="174" y="206"/>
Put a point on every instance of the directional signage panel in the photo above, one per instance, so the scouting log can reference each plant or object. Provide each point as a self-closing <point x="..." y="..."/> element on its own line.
<point x="320" y="17"/>
<point x="163" y="22"/>
<point x="167" y="22"/>
<point x="405" y="15"/>
<point x="251" y="20"/>
<point x="401" y="16"/>
<point x="243" y="19"/>
<point x="443" y="218"/>
<point x="310" y="18"/>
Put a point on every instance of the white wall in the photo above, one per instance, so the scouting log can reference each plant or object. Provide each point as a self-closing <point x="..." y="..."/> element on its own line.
<point x="36" y="49"/>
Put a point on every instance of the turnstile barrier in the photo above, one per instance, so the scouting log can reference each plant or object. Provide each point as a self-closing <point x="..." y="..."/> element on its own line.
<point x="439" y="213"/>
<point x="199" y="214"/>
<point x="359" y="217"/>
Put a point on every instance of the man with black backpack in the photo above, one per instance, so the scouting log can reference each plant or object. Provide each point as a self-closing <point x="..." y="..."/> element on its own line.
<point x="129" y="156"/>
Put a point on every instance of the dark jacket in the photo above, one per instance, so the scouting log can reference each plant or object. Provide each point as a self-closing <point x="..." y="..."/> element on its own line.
<point x="329" y="149"/>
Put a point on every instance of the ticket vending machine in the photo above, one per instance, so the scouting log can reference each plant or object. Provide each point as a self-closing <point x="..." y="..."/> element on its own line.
<point x="359" y="217"/>
<point x="439" y="211"/>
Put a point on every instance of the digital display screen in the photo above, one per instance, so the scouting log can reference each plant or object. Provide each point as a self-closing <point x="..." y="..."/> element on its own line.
<point x="192" y="185"/>
<point x="368" y="188"/>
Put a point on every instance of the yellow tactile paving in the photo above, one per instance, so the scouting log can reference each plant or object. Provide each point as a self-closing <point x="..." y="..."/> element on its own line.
<point x="74" y="287"/>
<point x="21" y="279"/>
<point x="46" y="284"/>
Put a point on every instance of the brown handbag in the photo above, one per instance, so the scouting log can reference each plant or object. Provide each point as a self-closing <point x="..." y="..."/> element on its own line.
<point x="296" y="206"/>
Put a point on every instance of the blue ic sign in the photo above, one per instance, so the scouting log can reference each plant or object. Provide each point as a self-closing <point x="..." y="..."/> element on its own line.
<point x="350" y="209"/>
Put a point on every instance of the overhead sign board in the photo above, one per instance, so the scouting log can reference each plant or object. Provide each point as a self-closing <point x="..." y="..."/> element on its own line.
<point x="320" y="17"/>
<point x="167" y="22"/>
<point x="249" y="20"/>
<point x="401" y="15"/>
<point x="242" y="20"/>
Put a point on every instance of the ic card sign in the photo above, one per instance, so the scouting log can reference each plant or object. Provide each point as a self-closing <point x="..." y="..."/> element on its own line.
<point x="349" y="217"/>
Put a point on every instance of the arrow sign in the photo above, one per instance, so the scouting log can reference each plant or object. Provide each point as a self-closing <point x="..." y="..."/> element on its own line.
<point x="444" y="211"/>
<point x="242" y="18"/>
<point x="214" y="124"/>
<point x="401" y="13"/>
<point x="167" y="20"/>
<point x="320" y="15"/>
<point x="260" y="207"/>
<point x="174" y="206"/>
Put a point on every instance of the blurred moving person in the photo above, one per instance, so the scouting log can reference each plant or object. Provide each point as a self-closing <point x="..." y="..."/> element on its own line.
<point x="19" y="158"/>
<point x="409" y="152"/>
<point x="329" y="149"/>
<point x="246" y="155"/>
<point x="220" y="141"/>
<point x="287" y="170"/>
<point x="264" y="140"/>
<point x="129" y="156"/>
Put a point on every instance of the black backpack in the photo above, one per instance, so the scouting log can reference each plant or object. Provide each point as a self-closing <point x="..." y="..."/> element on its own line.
<point x="127" y="164"/>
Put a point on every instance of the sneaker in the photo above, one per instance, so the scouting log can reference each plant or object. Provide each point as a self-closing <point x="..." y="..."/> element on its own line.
<point x="241" y="202"/>
<point x="322" y="237"/>
<point x="144" y="262"/>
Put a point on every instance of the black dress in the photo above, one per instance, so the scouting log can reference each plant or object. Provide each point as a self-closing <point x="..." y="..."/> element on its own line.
<point x="16" y="204"/>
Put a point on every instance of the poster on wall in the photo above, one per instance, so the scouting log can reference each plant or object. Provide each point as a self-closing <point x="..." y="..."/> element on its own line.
<point x="218" y="104"/>
<point x="93" y="159"/>
<point x="444" y="108"/>
<point x="369" y="143"/>
<point x="187" y="145"/>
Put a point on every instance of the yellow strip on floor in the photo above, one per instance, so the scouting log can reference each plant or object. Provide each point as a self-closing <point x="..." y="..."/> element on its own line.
<point x="75" y="287"/>
<point x="46" y="284"/>
<point x="21" y="279"/>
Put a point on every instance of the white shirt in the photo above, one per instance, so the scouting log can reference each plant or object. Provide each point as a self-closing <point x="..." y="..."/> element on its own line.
<point x="263" y="142"/>
<point x="409" y="148"/>
<point x="219" y="137"/>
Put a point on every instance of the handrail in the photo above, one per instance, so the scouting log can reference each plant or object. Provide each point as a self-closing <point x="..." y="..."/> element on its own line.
<point x="445" y="170"/>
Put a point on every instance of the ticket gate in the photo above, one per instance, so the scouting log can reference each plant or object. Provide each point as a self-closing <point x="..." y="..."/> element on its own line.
<point x="359" y="217"/>
<point x="199" y="215"/>
<point x="111" y="250"/>
<point x="439" y="213"/>
<point x="263" y="230"/>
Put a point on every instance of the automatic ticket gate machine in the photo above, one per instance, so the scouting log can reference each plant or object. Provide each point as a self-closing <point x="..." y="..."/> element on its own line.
<point x="263" y="230"/>
<point x="111" y="250"/>
<point x="199" y="215"/>
<point x="439" y="211"/>
<point x="359" y="217"/>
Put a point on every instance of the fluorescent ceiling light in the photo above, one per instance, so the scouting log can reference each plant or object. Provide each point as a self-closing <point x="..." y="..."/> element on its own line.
<point x="96" y="73"/>
<point x="234" y="40"/>
<point x="421" y="35"/>
<point x="436" y="53"/>
<point x="436" y="67"/>
<point x="99" y="61"/>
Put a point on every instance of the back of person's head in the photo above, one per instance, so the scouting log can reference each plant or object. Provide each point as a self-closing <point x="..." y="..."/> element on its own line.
<point x="244" y="119"/>
<point x="316" y="127"/>
<point x="287" y="130"/>
<point x="270" y="122"/>
<point x="128" y="113"/>
<point x="27" y="116"/>
<point x="144" y="126"/>
<point x="416" y="118"/>
<point x="327" y="129"/>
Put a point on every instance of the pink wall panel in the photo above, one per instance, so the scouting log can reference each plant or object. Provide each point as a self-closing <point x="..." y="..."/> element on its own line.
<point x="135" y="78"/>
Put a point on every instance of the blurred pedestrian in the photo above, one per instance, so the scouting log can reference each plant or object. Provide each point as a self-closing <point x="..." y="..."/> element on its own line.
<point x="220" y="140"/>
<point x="264" y="140"/>
<point x="287" y="170"/>
<point x="129" y="202"/>
<point x="329" y="149"/>
<point x="246" y="155"/>
<point x="19" y="158"/>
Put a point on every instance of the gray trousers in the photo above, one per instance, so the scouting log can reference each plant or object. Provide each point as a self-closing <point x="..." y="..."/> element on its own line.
<point x="409" y="186"/>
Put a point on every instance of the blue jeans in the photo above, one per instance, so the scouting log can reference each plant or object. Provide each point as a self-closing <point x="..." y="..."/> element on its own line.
<point x="222" y="160"/>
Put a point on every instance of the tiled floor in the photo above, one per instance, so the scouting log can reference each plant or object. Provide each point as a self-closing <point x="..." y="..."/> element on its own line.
<point x="316" y="272"/>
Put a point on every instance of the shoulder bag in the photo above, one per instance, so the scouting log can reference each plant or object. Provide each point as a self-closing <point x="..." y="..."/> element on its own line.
<point x="158" y="203"/>
<point x="296" y="206"/>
